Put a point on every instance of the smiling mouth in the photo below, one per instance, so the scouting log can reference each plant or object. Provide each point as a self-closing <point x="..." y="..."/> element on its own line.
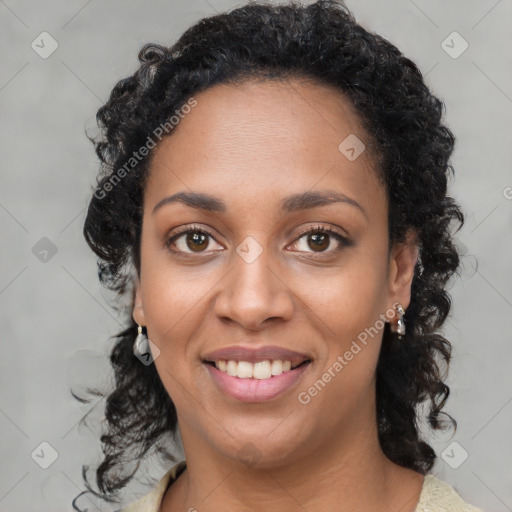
<point x="264" y="369"/>
<point x="256" y="382"/>
<point x="212" y="363"/>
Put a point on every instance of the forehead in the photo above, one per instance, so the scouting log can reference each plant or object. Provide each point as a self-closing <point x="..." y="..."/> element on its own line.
<point x="258" y="141"/>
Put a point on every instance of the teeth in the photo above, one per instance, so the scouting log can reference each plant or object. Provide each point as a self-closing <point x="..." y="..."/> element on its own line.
<point x="246" y="370"/>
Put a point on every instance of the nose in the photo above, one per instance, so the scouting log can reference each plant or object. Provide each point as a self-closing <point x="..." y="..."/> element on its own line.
<point x="253" y="293"/>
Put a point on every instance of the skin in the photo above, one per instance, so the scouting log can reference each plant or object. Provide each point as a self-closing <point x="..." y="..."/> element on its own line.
<point x="250" y="145"/>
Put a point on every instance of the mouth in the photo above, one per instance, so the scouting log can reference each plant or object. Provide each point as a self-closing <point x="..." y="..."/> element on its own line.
<point x="219" y="364"/>
<point x="255" y="382"/>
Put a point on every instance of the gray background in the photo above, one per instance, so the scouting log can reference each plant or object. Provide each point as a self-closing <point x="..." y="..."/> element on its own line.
<point x="55" y="318"/>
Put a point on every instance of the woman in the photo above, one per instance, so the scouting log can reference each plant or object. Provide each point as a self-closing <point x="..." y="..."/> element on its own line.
<point x="274" y="203"/>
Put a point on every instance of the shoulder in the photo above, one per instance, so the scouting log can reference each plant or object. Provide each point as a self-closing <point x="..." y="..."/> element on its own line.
<point x="151" y="501"/>
<point x="437" y="495"/>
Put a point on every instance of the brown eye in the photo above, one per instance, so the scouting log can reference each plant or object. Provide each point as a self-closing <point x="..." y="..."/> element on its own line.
<point x="189" y="240"/>
<point x="196" y="241"/>
<point x="318" y="240"/>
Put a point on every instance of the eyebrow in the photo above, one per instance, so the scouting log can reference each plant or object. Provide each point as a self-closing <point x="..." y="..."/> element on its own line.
<point x="293" y="203"/>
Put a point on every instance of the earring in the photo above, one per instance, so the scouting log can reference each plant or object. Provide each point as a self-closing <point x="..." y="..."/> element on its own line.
<point x="141" y="343"/>
<point x="399" y="328"/>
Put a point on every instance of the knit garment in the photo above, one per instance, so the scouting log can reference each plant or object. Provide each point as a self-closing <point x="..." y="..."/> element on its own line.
<point x="436" y="495"/>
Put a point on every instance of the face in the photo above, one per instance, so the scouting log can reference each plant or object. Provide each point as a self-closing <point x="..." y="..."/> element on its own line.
<point x="241" y="270"/>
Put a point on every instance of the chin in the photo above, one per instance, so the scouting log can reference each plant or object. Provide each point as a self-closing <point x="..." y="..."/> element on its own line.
<point x="265" y="451"/>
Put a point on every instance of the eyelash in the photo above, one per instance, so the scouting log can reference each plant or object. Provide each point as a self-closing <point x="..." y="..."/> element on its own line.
<point x="319" y="229"/>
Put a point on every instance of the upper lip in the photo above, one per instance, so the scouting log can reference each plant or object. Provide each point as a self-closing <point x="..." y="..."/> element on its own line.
<point x="255" y="354"/>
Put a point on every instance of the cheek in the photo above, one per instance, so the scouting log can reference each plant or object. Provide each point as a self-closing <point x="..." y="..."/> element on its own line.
<point x="172" y="293"/>
<point x="173" y="307"/>
<point x="349" y="308"/>
<point x="345" y="306"/>
<point x="348" y="298"/>
<point x="173" y="310"/>
<point x="170" y="301"/>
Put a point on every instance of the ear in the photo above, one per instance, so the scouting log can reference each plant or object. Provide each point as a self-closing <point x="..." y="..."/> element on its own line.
<point x="403" y="258"/>
<point x="138" y="309"/>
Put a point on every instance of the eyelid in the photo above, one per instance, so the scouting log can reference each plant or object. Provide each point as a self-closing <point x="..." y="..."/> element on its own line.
<point x="189" y="228"/>
<point x="324" y="228"/>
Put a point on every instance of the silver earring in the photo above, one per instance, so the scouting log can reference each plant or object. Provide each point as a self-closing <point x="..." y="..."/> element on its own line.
<point x="399" y="328"/>
<point x="141" y="344"/>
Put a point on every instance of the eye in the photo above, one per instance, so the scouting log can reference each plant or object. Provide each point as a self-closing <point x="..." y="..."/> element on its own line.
<point x="318" y="238"/>
<point x="196" y="239"/>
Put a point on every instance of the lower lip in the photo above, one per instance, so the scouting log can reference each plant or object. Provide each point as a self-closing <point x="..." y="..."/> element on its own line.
<point x="256" y="390"/>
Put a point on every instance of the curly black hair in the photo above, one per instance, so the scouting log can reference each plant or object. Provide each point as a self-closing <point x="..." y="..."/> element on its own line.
<point x="403" y="119"/>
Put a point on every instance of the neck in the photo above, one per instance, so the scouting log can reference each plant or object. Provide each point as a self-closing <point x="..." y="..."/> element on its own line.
<point x="346" y="473"/>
